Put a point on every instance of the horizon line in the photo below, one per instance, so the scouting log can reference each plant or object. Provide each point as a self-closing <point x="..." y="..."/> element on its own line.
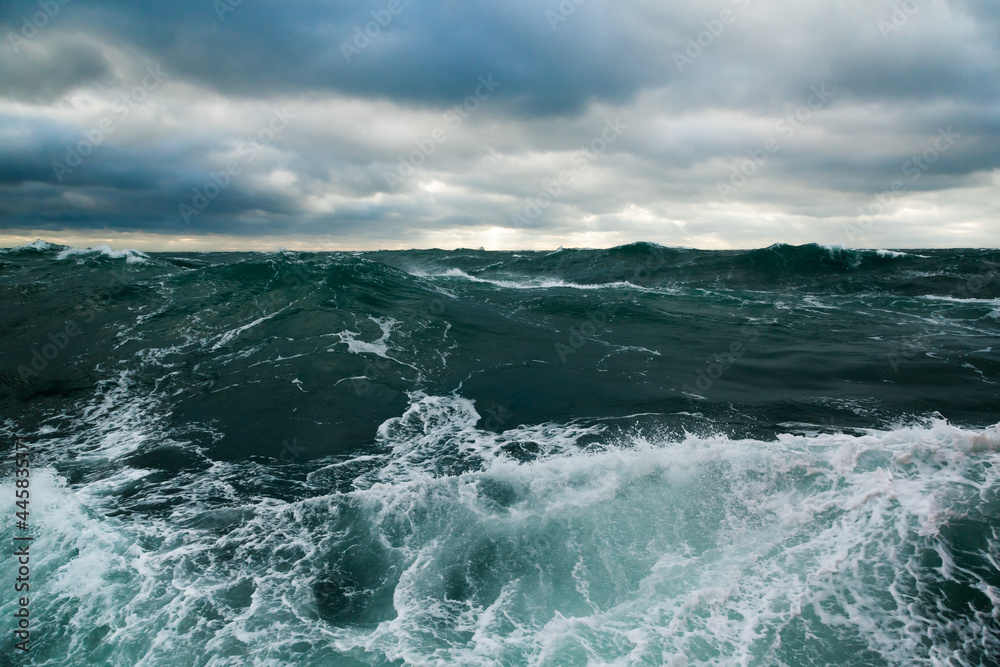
<point x="276" y="248"/>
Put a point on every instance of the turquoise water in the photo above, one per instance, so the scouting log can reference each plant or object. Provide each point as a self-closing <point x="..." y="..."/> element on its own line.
<point x="635" y="456"/>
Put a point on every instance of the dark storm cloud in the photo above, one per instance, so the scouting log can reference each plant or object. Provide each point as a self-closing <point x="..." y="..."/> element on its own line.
<point x="426" y="53"/>
<point x="44" y="75"/>
<point x="702" y="88"/>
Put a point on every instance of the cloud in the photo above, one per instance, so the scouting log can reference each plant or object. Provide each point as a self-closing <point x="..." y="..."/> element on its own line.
<point x="393" y="139"/>
<point x="44" y="74"/>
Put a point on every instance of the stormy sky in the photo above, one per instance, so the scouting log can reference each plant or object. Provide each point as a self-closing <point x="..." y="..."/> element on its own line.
<point x="515" y="124"/>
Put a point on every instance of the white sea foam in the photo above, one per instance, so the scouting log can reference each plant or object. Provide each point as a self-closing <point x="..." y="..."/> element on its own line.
<point x="37" y="244"/>
<point x="378" y="347"/>
<point x="131" y="256"/>
<point x="954" y="299"/>
<point x="462" y="546"/>
<point x="536" y="283"/>
<point x="233" y="333"/>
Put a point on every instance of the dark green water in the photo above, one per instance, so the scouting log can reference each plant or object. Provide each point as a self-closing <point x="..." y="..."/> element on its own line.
<point x="641" y="455"/>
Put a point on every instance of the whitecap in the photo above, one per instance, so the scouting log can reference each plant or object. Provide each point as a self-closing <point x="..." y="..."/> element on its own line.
<point x="131" y="256"/>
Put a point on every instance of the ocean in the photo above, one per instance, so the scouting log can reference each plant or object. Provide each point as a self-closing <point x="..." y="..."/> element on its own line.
<point x="641" y="455"/>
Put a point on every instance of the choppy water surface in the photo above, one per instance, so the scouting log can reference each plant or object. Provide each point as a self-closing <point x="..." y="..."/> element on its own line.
<point x="634" y="456"/>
